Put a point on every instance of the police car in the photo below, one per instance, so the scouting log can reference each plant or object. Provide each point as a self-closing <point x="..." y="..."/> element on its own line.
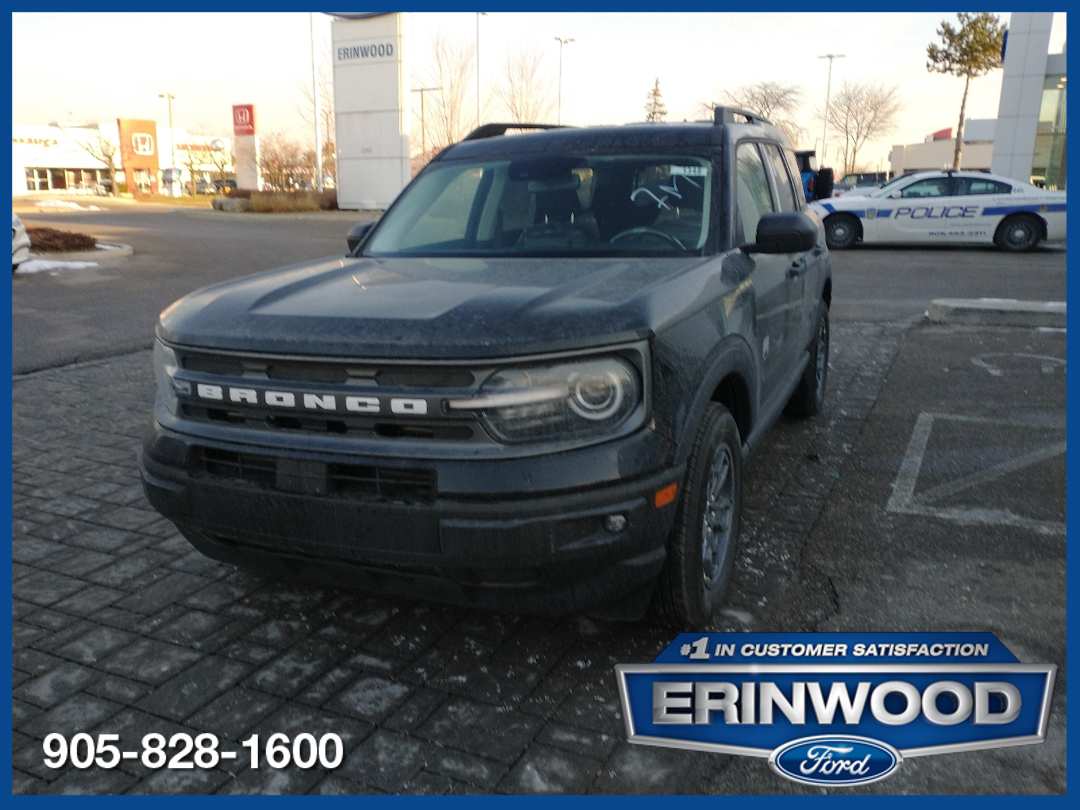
<point x="946" y="207"/>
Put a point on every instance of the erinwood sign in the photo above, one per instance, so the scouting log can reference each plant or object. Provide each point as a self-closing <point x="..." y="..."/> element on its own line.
<point x="834" y="708"/>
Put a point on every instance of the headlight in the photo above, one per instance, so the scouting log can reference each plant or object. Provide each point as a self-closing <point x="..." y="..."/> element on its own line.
<point x="564" y="401"/>
<point x="165" y="368"/>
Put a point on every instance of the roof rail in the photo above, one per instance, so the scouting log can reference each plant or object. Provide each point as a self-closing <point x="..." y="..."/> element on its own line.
<point x="492" y="130"/>
<point x="726" y="115"/>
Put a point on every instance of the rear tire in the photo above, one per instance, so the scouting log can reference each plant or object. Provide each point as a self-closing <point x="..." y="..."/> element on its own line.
<point x="704" y="539"/>
<point x="808" y="398"/>
<point x="841" y="231"/>
<point x="1018" y="234"/>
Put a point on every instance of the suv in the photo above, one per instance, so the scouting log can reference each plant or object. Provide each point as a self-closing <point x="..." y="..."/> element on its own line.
<point x="530" y="386"/>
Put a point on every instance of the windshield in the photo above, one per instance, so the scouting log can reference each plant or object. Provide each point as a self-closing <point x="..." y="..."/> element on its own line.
<point x="552" y="205"/>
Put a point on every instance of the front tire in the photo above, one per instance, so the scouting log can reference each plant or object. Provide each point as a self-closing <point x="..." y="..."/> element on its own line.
<point x="1018" y="234"/>
<point x="704" y="539"/>
<point x="841" y="231"/>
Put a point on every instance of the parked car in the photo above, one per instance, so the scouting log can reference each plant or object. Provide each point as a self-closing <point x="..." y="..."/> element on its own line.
<point x="530" y="386"/>
<point x="206" y="187"/>
<point x="20" y="243"/>
<point x="865" y="180"/>
<point x="946" y="207"/>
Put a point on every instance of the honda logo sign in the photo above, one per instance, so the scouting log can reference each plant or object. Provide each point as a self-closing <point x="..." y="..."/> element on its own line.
<point x="142" y="143"/>
<point x="243" y="119"/>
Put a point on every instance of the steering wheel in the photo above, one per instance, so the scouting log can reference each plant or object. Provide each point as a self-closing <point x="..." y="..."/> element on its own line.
<point x="647" y="232"/>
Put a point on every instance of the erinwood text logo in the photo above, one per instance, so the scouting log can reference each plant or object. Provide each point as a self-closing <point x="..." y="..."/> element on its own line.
<point x="836" y="709"/>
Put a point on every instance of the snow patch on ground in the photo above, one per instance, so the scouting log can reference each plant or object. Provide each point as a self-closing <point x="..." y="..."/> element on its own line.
<point x="65" y="204"/>
<point x="52" y="268"/>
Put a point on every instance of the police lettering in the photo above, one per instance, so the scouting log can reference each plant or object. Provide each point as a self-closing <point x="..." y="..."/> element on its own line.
<point x="938" y="211"/>
<point x="751" y="703"/>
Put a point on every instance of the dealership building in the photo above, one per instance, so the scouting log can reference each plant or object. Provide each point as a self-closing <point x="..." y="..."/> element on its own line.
<point x="73" y="158"/>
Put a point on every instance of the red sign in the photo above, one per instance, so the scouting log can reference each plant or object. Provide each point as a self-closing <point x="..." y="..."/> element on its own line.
<point x="243" y="119"/>
<point x="139" y="154"/>
<point x="942" y="134"/>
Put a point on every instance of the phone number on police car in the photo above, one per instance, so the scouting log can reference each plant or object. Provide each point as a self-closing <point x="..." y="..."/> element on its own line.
<point x="304" y="751"/>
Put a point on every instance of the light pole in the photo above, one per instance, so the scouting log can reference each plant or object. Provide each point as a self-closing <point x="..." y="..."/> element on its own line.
<point x="315" y="97"/>
<point x="561" y="42"/>
<point x="172" y="145"/>
<point x="828" y="90"/>
<point x="423" y="120"/>
<point x="479" y="14"/>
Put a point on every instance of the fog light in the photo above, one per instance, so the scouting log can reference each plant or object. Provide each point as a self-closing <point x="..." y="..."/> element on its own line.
<point x="615" y="523"/>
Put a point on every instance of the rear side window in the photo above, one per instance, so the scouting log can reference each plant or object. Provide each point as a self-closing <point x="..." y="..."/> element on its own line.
<point x="977" y="185"/>
<point x="752" y="196"/>
<point x="785" y="191"/>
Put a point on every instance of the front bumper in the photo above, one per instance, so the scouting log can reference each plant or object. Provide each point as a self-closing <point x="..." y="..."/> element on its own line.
<point x="552" y="552"/>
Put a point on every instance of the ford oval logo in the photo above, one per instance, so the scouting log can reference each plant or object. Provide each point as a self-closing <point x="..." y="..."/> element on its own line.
<point x="835" y="760"/>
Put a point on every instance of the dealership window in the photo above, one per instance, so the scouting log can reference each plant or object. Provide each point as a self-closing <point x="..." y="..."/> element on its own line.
<point x="1048" y="166"/>
<point x="37" y="179"/>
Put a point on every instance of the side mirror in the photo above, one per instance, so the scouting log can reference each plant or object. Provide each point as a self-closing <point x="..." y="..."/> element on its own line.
<point x="784" y="232"/>
<point x="895" y="195"/>
<point x="357" y="233"/>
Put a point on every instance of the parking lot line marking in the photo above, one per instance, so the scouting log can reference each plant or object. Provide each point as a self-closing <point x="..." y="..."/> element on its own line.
<point x="904" y="501"/>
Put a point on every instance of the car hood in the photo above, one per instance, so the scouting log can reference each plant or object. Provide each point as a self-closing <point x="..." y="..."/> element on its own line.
<point x="432" y="308"/>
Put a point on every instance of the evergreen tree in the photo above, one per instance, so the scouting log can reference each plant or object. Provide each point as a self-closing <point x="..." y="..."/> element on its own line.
<point x="654" y="104"/>
<point x="971" y="50"/>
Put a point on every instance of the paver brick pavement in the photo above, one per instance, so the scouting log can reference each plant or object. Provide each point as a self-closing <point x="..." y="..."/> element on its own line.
<point x="120" y="627"/>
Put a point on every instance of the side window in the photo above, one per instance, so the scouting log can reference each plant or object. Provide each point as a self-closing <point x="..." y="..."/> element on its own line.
<point x="933" y="187"/>
<point x="752" y="197"/>
<point x="976" y="185"/>
<point x="784" y="190"/>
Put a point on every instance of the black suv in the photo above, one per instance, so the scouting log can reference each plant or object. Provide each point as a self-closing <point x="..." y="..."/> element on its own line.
<point x="530" y="386"/>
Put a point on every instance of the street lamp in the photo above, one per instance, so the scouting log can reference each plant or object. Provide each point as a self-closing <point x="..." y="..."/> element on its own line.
<point x="828" y="89"/>
<point x="423" y="120"/>
<point x="315" y="98"/>
<point x="479" y="14"/>
<point x="561" y="42"/>
<point x="172" y="145"/>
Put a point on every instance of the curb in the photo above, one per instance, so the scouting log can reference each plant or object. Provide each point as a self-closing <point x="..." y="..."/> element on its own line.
<point x="998" y="312"/>
<point x="115" y="250"/>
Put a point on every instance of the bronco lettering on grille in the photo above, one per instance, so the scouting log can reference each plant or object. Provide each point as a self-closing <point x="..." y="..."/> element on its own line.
<point x="334" y="403"/>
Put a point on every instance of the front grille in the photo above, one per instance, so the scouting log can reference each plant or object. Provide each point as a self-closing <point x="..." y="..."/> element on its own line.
<point x="353" y="427"/>
<point x="337" y="381"/>
<point x="365" y="482"/>
<point x="326" y="371"/>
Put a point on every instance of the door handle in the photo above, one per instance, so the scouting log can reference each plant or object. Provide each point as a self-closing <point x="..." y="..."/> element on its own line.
<point x="797" y="268"/>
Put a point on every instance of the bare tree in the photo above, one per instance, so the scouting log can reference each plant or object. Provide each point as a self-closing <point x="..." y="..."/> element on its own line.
<point x="969" y="51"/>
<point x="305" y="106"/>
<point x="654" y="104"/>
<point x="777" y="102"/>
<point x="101" y="146"/>
<point x="221" y="159"/>
<point x="281" y="161"/>
<point x="524" y="90"/>
<point x="451" y="70"/>
<point x="861" y="112"/>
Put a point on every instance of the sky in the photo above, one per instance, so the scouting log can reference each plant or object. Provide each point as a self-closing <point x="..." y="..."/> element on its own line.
<point x="102" y="66"/>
